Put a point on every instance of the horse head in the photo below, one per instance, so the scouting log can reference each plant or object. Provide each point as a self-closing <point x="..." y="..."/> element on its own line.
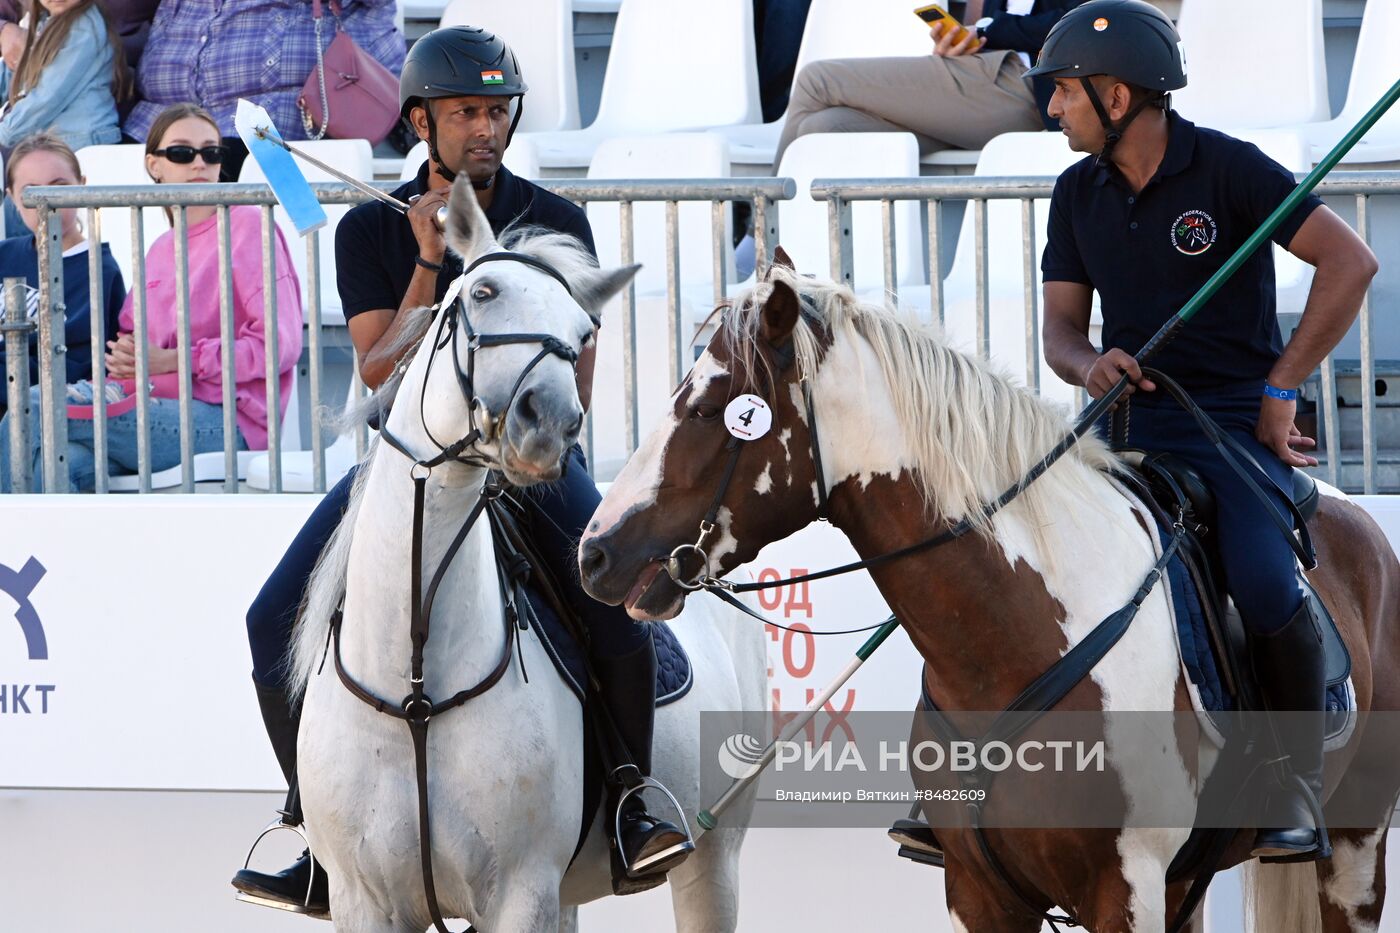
<point x="713" y="433"/>
<point x="524" y="309"/>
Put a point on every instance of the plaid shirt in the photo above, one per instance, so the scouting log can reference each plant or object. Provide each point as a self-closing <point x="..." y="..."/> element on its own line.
<point x="213" y="52"/>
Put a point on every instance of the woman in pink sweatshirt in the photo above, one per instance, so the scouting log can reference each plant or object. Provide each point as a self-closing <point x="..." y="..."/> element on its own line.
<point x="184" y="148"/>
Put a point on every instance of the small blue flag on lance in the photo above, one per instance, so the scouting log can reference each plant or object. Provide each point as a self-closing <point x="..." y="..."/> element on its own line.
<point x="267" y="148"/>
<point x="274" y="156"/>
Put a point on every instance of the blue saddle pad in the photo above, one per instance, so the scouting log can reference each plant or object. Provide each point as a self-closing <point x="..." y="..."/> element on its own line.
<point x="674" y="675"/>
<point x="1198" y="655"/>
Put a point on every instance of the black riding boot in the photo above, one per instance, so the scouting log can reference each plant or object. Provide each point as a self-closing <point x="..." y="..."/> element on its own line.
<point x="649" y="846"/>
<point x="300" y="887"/>
<point x="1288" y="666"/>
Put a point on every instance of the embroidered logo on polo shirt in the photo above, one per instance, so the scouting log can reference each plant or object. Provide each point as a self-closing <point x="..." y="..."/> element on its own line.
<point x="1193" y="233"/>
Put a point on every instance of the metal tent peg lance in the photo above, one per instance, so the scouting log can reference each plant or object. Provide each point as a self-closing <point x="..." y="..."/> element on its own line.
<point x="400" y="206"/>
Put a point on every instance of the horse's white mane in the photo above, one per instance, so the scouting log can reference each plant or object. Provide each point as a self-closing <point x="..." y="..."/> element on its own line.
<point x="560" y="250"/>
<point x="565" y="253"/>
<point x="972" y="432"/>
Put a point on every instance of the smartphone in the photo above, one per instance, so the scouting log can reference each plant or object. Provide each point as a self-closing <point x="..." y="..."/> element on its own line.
<point x="933" y="13"/>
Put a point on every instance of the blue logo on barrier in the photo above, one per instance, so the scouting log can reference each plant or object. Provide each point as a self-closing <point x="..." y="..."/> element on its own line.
<point x="18" y="585"/>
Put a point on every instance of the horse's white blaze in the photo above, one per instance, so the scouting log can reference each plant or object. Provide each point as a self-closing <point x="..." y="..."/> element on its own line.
<point x="958" y="925"/>
<point x="1353" y="882"/>
<point x="636" y="486"/>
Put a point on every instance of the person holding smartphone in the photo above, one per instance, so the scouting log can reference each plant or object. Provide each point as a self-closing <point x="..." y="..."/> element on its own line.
<point x="972" y="87"/>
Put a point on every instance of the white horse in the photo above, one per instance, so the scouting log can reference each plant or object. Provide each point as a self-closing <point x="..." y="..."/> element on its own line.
<point x="506" y="768"/>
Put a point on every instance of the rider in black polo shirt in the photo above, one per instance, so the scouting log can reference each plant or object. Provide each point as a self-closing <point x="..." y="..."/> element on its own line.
<point x="462" y="91"/>
<point x="1158" y="207"/>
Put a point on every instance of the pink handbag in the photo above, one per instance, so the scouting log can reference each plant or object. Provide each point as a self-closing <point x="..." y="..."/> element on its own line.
<point x="349" y="95"/>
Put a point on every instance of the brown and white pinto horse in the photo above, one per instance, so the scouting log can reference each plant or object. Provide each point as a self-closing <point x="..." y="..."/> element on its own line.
<point x="915" y="436"/>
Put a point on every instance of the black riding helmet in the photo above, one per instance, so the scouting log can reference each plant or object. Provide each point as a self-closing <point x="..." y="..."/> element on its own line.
<point x="459" y="61"/>
<point x="1128" y="39"/>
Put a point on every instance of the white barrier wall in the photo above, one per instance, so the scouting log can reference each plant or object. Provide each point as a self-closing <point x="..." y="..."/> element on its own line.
<point x="141" y="682"/>
<point x="141" y="602"/>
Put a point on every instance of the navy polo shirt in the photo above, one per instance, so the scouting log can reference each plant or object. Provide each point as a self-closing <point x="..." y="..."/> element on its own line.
<point x="1148" y="253"/>
<point x="375" y="246"/>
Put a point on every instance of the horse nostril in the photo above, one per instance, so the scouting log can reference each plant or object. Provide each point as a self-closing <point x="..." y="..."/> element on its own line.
<point x="594" y="560"/>
<point x="525" y="408"/>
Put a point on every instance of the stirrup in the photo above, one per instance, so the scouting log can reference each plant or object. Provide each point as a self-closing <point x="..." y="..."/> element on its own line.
<point x="305" y="906"/>
<point x="639" y="870"/>
<point x="1323" y="850"/>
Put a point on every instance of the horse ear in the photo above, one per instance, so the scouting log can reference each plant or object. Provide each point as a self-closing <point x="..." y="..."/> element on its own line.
<point x="781" y="258"/>
<point x="779" y="314"/>
<point x="468" y="232"/>
<point x="595" y="287"/>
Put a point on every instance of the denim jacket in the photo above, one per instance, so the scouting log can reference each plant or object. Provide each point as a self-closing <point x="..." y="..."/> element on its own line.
<point x="73" y="97"/>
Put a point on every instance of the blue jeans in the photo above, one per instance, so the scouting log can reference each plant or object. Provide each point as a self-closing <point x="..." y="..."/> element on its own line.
<point x="1261" y="572"/>
<point x="563" y="509"/>
<point x="164" y="421"/>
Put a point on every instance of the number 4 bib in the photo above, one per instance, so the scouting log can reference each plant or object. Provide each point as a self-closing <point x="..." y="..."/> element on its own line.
<point x="748" y="417"/>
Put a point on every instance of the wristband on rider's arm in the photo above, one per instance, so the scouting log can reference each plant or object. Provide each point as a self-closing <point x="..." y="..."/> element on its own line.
<point x="1287" y="395"/>
<point x="430" y="266"/>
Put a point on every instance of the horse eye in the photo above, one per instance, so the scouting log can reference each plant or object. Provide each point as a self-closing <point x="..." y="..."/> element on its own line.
<point x="483" y="293"/>
<point x="706" y="412"/>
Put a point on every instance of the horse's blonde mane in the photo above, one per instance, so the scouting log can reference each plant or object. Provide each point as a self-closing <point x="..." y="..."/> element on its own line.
<point x="972" y="433"/>
<point x="565" y="253"/>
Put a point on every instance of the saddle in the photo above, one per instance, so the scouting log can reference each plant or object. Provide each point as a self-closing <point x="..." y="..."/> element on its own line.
<point x="540" y="606"/>
<point x="1210" y="633"/>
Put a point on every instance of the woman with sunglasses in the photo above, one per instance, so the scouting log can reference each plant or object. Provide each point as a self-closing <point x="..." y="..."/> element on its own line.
<point x="184" y="148"/>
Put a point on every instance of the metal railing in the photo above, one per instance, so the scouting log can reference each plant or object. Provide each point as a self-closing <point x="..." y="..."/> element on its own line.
<point x="763" y="194"/>
<point x="841" y="194"/>
<point x="760" y="193"/>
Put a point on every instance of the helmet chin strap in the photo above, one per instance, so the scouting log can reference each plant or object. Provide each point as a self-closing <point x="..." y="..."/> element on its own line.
<point x="441" y="167"/>
<point x="1112" y="134"/>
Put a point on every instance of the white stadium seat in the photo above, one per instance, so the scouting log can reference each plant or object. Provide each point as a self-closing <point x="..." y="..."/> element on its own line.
<point x="352" y="156"/>
<point x="673" y="155"/>
<point x="878" y="29"/>
<point x="541" y="34"/>
<point x="1045" y="154"/>
<point x="1253" y="63"/>
<point x="1373" y="71"/>
<point x="657" y="85"/>
<point x="802" y="221"/>
<point x="122" y="165"/>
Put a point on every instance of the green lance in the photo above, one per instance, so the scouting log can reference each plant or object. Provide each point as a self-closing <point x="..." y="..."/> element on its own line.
<point x="709" y="818"/>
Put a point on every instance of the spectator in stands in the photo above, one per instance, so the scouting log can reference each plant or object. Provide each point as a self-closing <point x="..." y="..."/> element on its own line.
<point x="68" y="78"/>
<point x="214" y="52"/>
<point x="183" y="148"/>
<point x="44" y="159"/>
<point x="131" y="19"/>
<point x="777" y="32"/>
<point x="957" y="98"/>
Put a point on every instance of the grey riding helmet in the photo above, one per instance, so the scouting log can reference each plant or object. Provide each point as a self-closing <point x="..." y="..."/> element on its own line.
<point x="1129" y="39"/>
<point x="460" y="61"/>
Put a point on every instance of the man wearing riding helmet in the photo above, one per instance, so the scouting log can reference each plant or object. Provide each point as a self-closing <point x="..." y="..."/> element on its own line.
<point x="462" y="91"/>
<point x="1153" y="212"/>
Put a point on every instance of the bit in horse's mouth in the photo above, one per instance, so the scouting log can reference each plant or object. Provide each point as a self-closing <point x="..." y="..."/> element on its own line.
<point x="639" y="589"/>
